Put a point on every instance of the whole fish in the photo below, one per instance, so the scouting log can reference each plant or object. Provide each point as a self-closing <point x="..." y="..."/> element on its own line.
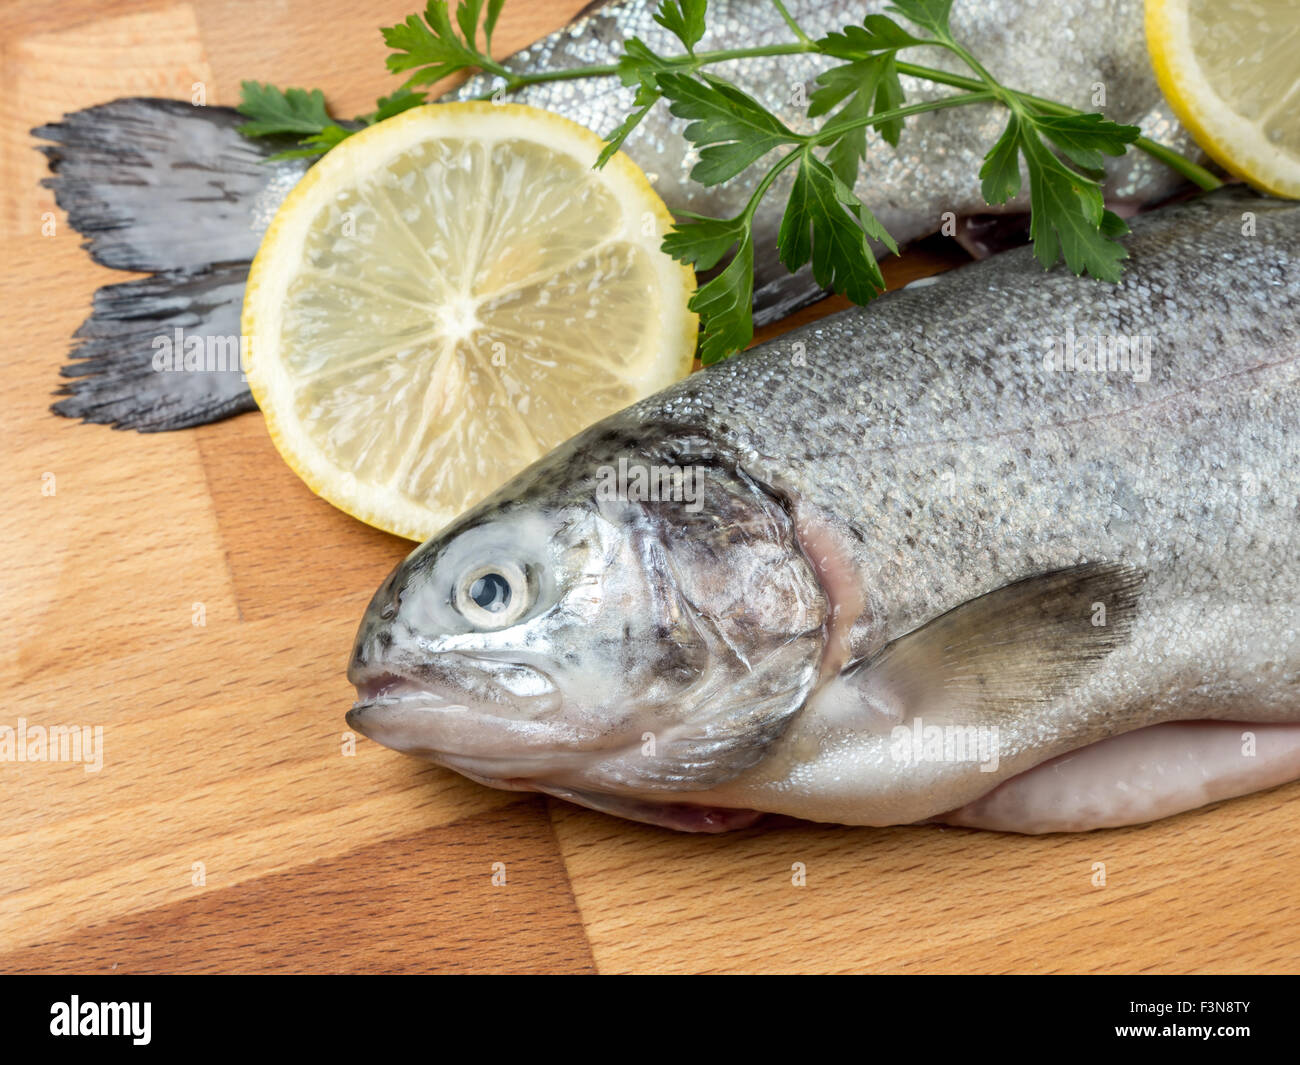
<point x="174" y="190"/>
<point x="1012" y="549"/>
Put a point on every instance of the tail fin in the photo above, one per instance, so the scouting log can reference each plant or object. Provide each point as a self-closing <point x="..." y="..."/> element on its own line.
<point x="162" y="187"/>
<point x="114" y="380"/>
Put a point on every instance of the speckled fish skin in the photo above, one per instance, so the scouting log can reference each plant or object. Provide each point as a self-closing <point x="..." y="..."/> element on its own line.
<point x="163" y="187"/>
<point x="1069" y="52"/>
<point x="924" y="446"/>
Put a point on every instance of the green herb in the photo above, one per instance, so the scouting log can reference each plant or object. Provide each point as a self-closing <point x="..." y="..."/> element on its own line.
<point x="725" y="304"/>
<point x="433" y="48"/>
<point x="429" y="49"/>
<point x="824" y="224"/>
<point x="1067" y="215"/>
<point x="302" y="115"/>
<point x="684" y="19"/>
<point x="388" y="106"/>
<point x="279" y="111"/>
<point x="733" y="129"/>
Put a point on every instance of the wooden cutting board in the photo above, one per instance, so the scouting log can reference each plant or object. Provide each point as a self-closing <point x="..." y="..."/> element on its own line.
<point x="185" y="592"/>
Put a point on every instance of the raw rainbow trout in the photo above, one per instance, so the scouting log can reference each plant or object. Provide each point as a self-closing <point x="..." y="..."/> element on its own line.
<point x="165" y="188"/>
<point x="1012" y="550"/>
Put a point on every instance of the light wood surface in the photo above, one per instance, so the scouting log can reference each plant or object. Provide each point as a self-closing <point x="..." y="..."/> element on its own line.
<point x="228" y="830"/>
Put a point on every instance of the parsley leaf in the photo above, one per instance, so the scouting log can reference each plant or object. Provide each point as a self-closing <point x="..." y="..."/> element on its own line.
<point x="889" y="96"/>
<point x="641" y="66"/>
<point x="733" y="129"/>
<point x="859" y="81"/>
<point x="282" y="111"/>
<point x="1000" y="174"/>
<point x="869" y="82"/>
<point x="317" y="144"/>
<point x="433" y="49"/>
<point x="839" y="83"/>
<point x="929" y="14"/>
<point x="490" y="23"/>
<point x="302" y="114"/>
<point x="725" y="303"/>
<point x="1085" y="138"/>
<point x="878" y="33"/>
<point x="468" y="13"/>
<point x="388" y="106"/>
<point x="647" y="95"/>
<point x="685" y="19"/>
<point x="826" y="223"/>
<point x="725" y="306"/>
<point x="1068" y="218"/>
<point x="703" y="242"/>
<point x="871" y="86"/>
<point x="639" y="62"/>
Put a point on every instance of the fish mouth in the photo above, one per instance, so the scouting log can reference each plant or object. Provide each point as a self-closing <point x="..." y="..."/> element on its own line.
<point x="387" y="689"/>
<point x="460" y="731"/>
<point x="383" y="694"/>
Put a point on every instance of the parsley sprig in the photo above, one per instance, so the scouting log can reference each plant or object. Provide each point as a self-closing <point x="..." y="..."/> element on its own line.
<point x="302" y="115"/>
<point x="1060" y="150"/>
<point x="430" y="49"/>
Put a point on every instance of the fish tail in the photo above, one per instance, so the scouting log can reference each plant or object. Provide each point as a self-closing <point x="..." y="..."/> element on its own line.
<point x="161" y="353"/>
<point x="173" y="190"/>
<point x="158" y="184"/>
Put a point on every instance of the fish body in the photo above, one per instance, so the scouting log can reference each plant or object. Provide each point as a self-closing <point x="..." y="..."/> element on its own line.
<point x="763" y="589"/>
<point x="174" y="190"/>
<point x="934" y="171"/>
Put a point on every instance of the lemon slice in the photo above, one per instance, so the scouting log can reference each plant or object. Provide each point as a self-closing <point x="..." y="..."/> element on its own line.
<point x="1230" y="70"/>
<point x="449" y="294"/>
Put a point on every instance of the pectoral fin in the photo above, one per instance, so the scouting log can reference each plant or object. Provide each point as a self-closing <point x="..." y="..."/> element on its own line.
<point x="1015" y="647"/>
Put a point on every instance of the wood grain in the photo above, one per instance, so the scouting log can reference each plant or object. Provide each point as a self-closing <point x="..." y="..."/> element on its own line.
<point x="186" y="593"/>
<point x="408" y="904"/>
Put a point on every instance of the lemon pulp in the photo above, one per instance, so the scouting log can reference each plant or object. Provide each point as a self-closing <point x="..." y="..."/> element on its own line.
<point x="1230" y="70"/>
<point x="448" y="295"/>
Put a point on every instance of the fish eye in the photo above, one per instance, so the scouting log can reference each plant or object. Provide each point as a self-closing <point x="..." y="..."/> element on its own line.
<point x="493" y="595"/>
<point x="492" y="592"/>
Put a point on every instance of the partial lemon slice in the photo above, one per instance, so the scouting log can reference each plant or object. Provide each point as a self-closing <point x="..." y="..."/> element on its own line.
<point x="1230" y="69"/>
<point x="449" y="294"/>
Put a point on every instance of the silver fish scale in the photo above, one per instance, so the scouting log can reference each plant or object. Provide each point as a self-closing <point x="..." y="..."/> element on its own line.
<point x="928" y="431"/>
<point x="1066" y="52"/>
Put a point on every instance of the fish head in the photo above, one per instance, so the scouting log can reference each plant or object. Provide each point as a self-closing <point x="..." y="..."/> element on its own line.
<point x="587" y="628"/>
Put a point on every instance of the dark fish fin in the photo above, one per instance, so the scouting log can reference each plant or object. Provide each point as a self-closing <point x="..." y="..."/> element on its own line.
<point x="114" y="381"/>
<point x="162" y="187"/>
<point x="999" y="654"/>
<point x="591" y="8"/>
<point x="783" y="294"/>
<point x="159" y="185"/>
<point x="983" y="235"/>
<point x="679" y="816"/>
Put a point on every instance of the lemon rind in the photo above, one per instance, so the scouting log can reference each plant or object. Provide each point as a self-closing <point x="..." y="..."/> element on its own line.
<point x="1239" y="146"/>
